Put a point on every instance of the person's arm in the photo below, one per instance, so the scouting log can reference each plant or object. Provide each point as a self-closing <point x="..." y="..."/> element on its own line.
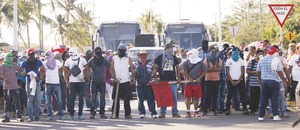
<point x="280" y="74"/>
<point x="42" y="73"/>
<point x="155" y="70"/>
<point x="219" y="67"/>
<point x="132" y="68"/>
<point x="178" y="74"/>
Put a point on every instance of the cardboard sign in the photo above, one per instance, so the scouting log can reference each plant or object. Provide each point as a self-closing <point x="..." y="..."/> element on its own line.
<point x="162" y="94"/>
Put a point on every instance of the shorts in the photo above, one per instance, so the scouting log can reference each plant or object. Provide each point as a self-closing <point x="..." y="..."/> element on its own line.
<point x="192" y="91"/>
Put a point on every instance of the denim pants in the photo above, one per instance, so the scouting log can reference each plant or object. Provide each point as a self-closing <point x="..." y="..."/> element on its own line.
<point x="221" y="96"/>
<point x="231" y="89"/>
<point x="211" y="93"/>
<point x="101" y="88"/>
<point x="146" y="92"/>
<point x="34" y="102"/>
<point x="269" y="90"/>
<point x="282" y="99"/>
<point x="12" y="99"/>
<point x="50" y="89"/>
<point x="125" y="94"/>
<point x="173" y="88"/>
<point x="88" y="96"/>
<point x="76" y="87"/>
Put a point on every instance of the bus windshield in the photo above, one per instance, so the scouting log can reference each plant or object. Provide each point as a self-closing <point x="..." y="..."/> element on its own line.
<point x="187" y="35"/>
<point x="112" y="33"/>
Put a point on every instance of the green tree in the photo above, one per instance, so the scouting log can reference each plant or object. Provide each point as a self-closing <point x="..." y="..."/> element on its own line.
<point x="147" y="19"/>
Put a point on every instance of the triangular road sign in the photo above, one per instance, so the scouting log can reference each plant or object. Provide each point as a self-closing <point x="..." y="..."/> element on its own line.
<point x="281" y="12"/>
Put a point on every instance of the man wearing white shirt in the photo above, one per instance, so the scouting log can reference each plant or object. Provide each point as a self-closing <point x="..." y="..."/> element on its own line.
<point x="52" y="83"/>
<point x="294" y="70"/>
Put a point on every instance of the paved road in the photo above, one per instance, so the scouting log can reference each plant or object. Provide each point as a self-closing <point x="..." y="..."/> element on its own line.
<point x="220" y="122"/>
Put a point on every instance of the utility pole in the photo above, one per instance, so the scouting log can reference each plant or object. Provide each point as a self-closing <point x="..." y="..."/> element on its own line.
<point x="15" y="33"/>
<point x="220" y="24"/>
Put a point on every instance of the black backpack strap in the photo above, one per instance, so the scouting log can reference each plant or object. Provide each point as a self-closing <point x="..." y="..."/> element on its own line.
<point x="190" y="69"/>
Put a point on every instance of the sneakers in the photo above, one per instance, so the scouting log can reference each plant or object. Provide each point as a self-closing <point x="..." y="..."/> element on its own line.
<point x="71" y="118"/>
<point x="20" y="119"/>
<point x="5" y="119"/>
<point x="188" y="115"/>
<point x="103" y="116"/>
<point x="245" y="112"/>
<point x="162" y="116"/>
<point x="204" y="113"/>
<point x="142" y="115"/>
<point x="276" y="118"/>
<point x="227" y="112"/>
<point x="176" y="115"/>
<point x="81" y="118"/>
<point x="62" y="117"/>
<point x="128" y="117"/>
<point x="49" y="118"/>
<point x="284" y="115"/>
<point x="29" y="120"/>
<point x="260" y="118"/>
<point x="213" y="113"/>
<point x="154" y="116"/>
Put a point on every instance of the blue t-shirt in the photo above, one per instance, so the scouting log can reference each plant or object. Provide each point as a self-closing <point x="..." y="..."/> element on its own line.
<point x="36" y="70"/>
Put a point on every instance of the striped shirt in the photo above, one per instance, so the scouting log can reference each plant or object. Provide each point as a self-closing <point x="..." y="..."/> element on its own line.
<point x="252" y="66"/>
<point x="264" y="66"/>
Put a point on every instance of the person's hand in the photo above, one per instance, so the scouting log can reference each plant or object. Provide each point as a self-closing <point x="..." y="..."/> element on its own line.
<point x="232" y="82"/>
<point x="68" y="85"/>
<point x="116" y="80"/>
<point x="289" y="81"/>
<point x="198" y="80"/>
<point x="284" y="83"/>
<point x="191" y="80"/>
<point x="178" y="81"/>
<point x="156" y="81"/>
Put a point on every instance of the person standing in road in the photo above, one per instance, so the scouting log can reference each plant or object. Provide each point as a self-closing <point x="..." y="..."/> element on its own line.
<point x="194" y="70"/>
<point x="235" y="79"/>
<point x="75" y="81"/>
<point x="143" y="69"/>
<point x="52" y="84"/>
<point x="97" y="65"/>
<point x="212" y="81"/>
<point x="167" y="65"/>
<point x="269" y="68"/>
<point x="121" y="66"/>
<point x="35" y="71"/>
<point x="10" y="87"/>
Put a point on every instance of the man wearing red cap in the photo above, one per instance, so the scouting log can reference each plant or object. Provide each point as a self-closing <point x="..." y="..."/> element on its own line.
<point x="33" y="68"/>
<point x="269" y="68"/>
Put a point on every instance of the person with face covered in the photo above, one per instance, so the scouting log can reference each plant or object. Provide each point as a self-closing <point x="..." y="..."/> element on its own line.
<point x="269" y="75"/>
<point x="212" y="81"/>
<point x="52" y="84"/>
<point x="194" y="70"/>
<point x="33" y="66"/>
<point x="96" y="65"/>
<point x="11" y="88"/>
<point x="235" y="69"/>
<point x="75" y="82"/>
<point x="121" y="66"/>
<point x="167" y="66"/>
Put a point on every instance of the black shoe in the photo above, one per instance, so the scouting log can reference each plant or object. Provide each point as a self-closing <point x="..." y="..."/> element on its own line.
<point x="5" y="119"/>
<point x="128" y="117"/>
<point x="252" y="113"/>
<point x="227" y="112"/>
<point x="204" y="113"/>
<point x="20" y="119"/>
<point x="36" y="119"/>
<point x="213" y="113"/>
<point x="103" y="116"/>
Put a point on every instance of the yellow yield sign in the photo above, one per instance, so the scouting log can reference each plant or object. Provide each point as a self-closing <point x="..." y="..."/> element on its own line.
<point x="290" y="36"/>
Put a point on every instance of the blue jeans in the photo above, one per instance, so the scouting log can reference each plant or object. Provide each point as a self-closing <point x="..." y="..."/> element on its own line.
<point x="50" y="89"/>
<point x="269" y="90"/>
<point x="173" y="88"/>
<point x="236" y="99"/>
<point x="146" y="92"/>
<point x="101" y="88"/>
<point x="76" y="87"/>
<point x="34" y="102"/>
<point x="221" y="96"/>
<point x="87" y="96"/>
<point x="282" y="98"/>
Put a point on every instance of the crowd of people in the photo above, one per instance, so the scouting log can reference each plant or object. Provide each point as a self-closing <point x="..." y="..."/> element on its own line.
<point x="213" y="78"/>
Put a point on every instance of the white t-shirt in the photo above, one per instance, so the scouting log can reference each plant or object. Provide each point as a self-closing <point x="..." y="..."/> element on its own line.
<point x="52" y="76"/>
<point x="295" y="63"/>
<point x="70" y="63"/>
<point x="235" y="68"/>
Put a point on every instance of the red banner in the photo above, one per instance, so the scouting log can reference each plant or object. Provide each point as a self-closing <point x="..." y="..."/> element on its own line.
<point x="162" y="94"/>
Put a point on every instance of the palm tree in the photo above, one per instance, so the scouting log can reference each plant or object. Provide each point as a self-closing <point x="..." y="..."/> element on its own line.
<point x="147" y="19"/>
<point x="158" y="26"/>
<point x="25" y="16"/>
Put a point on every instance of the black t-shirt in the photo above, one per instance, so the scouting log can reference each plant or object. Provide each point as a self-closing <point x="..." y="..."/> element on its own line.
<point x="167" y="72"/>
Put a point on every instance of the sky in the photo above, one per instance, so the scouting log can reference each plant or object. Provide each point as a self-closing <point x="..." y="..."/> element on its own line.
<point x="205" y="11"/>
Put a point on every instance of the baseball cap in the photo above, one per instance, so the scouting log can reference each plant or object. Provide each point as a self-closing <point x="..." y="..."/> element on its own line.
<point x="170" y="44"/>
<point x="30" y="50"/>
<point x="271" y="50"/>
